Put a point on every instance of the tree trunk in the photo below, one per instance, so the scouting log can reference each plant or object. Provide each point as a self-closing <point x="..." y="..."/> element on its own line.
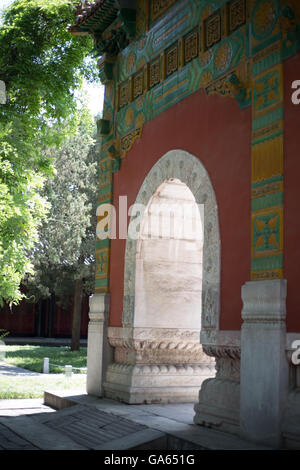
<point x="37" y="318"/>
<point x="75" y="344"/>
<point x="51" y="315"/>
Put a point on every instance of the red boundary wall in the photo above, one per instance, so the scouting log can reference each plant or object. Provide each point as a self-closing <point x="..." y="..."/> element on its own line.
<point x="21" y="320"/>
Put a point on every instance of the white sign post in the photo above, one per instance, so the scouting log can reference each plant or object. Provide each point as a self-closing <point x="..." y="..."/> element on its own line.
<point x="68" y="370"/>
<point x="46" y="365"/>
<point x="2" y="351"/>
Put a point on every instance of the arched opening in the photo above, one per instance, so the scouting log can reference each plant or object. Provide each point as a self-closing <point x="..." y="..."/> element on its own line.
<point x="171" y="287"/>
<point x="168" y="280"/>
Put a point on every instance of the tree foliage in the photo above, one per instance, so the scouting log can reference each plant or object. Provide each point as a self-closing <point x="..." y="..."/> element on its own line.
<point x="42" y="65"/>
<point x="66" y="246"/>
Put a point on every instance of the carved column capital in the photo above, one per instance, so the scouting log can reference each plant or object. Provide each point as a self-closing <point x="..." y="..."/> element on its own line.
<point x="99" y="306"/>
<point x="264" y="301"/>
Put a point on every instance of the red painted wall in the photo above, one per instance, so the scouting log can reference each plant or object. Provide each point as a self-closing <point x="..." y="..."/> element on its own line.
<point x="19" y="320"/>
<point x="292" y="196"/>
<point x="62" y="321"/>
<point x="216" y="131"/>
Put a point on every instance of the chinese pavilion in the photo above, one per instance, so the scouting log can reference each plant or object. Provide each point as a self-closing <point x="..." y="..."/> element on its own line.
<point x="198" y="112"/>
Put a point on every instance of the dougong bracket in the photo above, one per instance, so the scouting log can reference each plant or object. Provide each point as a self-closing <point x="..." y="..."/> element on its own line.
<point x="240" y="92"/>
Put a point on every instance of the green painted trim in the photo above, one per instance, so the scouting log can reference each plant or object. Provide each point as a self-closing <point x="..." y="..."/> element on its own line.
<point x="274" y="179"/>
<point x="267" y="262"/>
<point x="266" y="138"/>
<point x="266" y="63"/>
<point x="108" y="188"/>
<point x="100" y="244"/>
<point x="269" y="118"/>
<point x="263" y="45"/>
<point x="264" y="202"/>
<point x="104" y="282"/>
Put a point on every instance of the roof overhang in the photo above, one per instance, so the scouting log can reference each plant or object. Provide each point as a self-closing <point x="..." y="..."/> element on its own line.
<point x="110" y="22"/>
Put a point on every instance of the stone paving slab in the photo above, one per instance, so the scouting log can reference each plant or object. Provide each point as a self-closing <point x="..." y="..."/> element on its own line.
<point x="146" y="439"/>
<point x="9" y="440"/>
<point x="79" y="427"/>
<point x="95" y="423"/>
<point x="38" y="435"/>
<point x="173" y="420"/>
<point x="96" y="429"/>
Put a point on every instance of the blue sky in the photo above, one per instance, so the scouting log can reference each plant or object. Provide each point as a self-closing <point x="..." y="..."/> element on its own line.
<point x="95" y="93"/>
<point x="4" y="3"/>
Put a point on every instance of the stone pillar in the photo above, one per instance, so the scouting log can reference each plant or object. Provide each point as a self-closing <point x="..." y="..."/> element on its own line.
<point x="219" y="397"/>
<point x="99" y="352"/>
<point x="264" y="366"/>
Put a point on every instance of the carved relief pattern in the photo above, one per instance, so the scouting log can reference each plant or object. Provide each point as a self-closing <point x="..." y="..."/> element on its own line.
<point x="191" y="46"/>
<point x="130" y="62"/>
<point x="138" y="84"/>
<point x="142" y="18"/>
<point x="212" y="30"/>
<point x="158" y="346"/>
<point x="160" y="353"/>
<point x="223" y="57"/>
<point x="237" y="14"/>
<point x="124" y="94"/>
<point x="227" y="368"/>
<point x="210" y="307"/>
<point x="172" y="60"/>
<point x="154" y="73"/>
<point x="220" y="87"/>
<point x="158" y="7"/>
<point x="157" y="369"/>
<point x="128" y="139"/>
<point x="213" y="27"/>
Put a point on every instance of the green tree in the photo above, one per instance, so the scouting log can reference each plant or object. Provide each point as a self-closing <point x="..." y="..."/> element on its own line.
<point x="42" y="65"/>
<point x="63" y="258"/>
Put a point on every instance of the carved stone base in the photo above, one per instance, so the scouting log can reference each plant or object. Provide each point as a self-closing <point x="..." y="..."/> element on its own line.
<point x="218" y="405"/>
<point x="219" y="397"/>
<point x="155" y="383"/>
<point x="156" y="365"/>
